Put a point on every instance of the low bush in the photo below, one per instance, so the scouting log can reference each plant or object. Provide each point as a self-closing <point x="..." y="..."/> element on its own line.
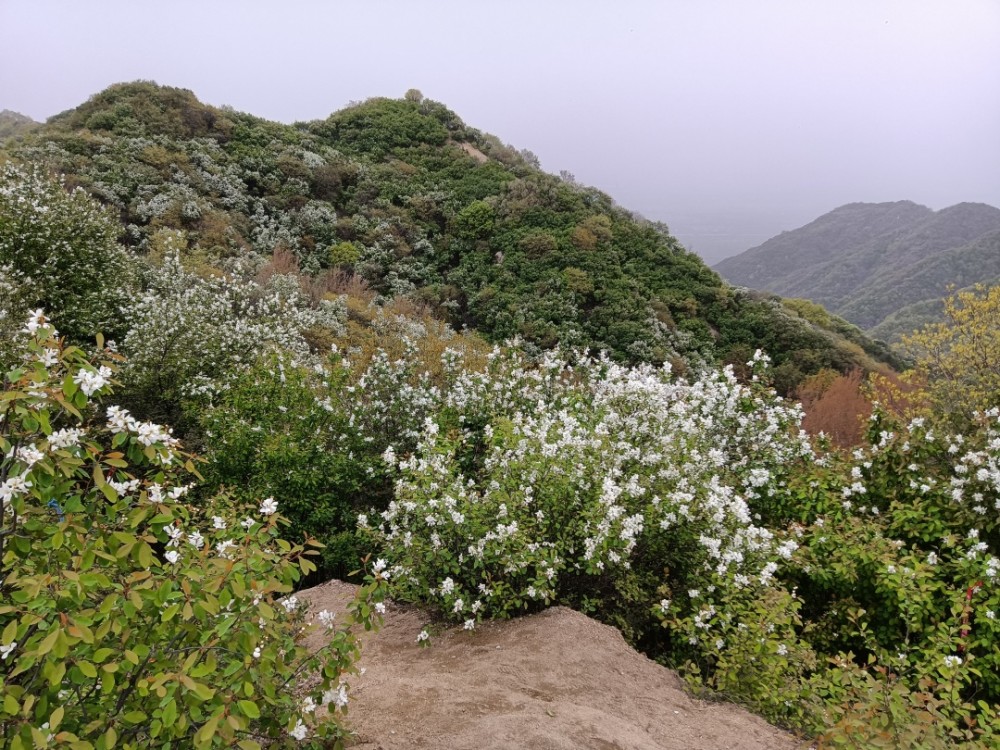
<point x="130" y="616"/>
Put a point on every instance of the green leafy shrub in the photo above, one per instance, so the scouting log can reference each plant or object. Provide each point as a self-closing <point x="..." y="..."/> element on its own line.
<point x="129" y="616"/>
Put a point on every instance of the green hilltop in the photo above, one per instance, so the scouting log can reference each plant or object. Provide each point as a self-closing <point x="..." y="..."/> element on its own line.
<point x="404" y="196"/>
<point x="13" y="124"/>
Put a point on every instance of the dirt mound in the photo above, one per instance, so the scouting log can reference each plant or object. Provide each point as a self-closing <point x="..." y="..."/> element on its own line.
<point x="553" y="681"/>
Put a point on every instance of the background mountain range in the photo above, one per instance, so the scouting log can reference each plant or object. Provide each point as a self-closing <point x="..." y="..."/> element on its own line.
<point x="883" y="266"/>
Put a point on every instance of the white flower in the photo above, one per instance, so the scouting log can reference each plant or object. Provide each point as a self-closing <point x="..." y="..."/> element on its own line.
<point x="952" y="661"/>
<point x="337" y="697"/>
<point x="308" y="705"/>
<point x="380" y="607"/>
<point x="247" y="522"/>
<point x="300" y="731"/>
<point x="65" y="438"/>
<point x="35" y="321"/>
<point x="196" y="540"/>
<point x="326" y="620"/>
<point x="222" y="549"/>
<point x="5" y="651"/>
<point x="218" y="522"/>
<point x="290" y="603"/>
<point x="782" y="649"/>
<point x="269" y="507"/>
<point x="17" y="485"/>
<point x="469" y="625"/>
<point x="423" y="636"/>
<point x="92" y="381"/>
<point x="256" y="652"/>
<point x="172" y="557"/>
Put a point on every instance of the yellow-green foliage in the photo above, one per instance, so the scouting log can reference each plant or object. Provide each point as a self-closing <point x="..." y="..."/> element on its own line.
<point x="960" y="357"/>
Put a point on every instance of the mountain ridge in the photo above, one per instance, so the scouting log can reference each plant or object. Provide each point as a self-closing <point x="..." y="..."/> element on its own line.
<point x="386" y="191"/>
<point x="867" y="261"/>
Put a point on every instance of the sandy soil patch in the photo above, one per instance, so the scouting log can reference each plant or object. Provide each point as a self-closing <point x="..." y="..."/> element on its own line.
<point x="552" y="681"/>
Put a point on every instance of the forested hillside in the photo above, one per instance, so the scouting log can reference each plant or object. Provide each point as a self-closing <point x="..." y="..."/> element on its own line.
<point x="413" y="203"/>
<point x="881" y="266"/>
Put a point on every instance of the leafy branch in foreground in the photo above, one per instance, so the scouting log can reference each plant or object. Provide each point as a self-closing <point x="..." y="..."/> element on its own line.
<point x="131" y="617"/>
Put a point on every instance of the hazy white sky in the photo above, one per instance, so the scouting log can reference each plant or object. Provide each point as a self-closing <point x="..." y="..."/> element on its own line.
<point x="728" y="119"/>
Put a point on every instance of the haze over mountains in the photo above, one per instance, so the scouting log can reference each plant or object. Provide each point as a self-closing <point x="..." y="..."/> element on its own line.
<point x="883" y="266"/>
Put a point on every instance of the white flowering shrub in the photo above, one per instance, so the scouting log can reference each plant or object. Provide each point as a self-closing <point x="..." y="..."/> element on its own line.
<point x="61" y="251"/>
<point x="186" y="333"/>
<point x="899" y="575"/>
<point x="130" y="616"/>
<point x="575" y="482"/>
<point x="315" y="436"/>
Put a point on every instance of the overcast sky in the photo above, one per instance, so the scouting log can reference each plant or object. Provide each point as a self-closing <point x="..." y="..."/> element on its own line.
<point x="729" y="120"/>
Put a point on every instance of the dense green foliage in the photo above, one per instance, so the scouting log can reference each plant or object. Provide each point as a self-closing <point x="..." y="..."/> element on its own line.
<point x="129" y="615"/>
<point x="417" y="204"/>
<point x="61" y="252"/>
<point x="869" y="262"/>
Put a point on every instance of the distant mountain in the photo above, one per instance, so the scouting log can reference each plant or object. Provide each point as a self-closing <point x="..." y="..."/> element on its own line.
<point x="14" y="123"/>
<point x="882" y="266"/>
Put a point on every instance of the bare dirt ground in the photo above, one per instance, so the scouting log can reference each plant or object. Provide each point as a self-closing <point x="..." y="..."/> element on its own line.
<point x="552" y="681"/>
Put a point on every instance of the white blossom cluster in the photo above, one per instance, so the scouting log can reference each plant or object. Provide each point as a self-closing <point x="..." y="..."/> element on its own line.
<point x="186" y="330"/>
<point x="583" y="461"/>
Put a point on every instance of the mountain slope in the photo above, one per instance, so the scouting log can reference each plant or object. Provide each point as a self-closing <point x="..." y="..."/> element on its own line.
<point x="405" y="197"/>
<point x="14" y="123"/>
<point x="868" y="261"/>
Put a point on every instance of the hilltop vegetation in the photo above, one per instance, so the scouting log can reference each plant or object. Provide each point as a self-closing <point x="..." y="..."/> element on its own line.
<point x="13" y="124"/>
<point x="884" y="267"/>
<point x="411" y="202"/>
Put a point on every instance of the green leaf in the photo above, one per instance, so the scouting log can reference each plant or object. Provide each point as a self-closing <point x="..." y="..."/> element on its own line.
<point x="48" y="642"/>
<point x="249" y="709"/>
<point x="88" y="669"/>
<point x="170" y="612"/>
<point x="69" y="388"/>
<point x="169" y="713"/>
<point x="55" y="718"/>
